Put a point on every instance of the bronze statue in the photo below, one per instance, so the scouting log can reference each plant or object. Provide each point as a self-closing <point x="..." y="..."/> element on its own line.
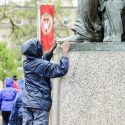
<point x="112" y="20"/>
<point x="92" y="15"/>
<point x="84" y="26"/>
<point x="85" y="23"/>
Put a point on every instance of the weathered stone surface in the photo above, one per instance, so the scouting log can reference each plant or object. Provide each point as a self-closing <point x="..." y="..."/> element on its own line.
<point x="98" y="46"/>
<point x="93" y="92"/>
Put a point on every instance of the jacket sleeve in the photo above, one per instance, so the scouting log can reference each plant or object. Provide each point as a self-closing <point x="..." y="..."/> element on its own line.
<point x="57" y="70"/>
<point x="48" y="56"/>
<point x="13" y="115"/>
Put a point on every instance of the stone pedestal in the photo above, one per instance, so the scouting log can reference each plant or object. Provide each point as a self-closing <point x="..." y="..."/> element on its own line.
<point x="93" y="91"/>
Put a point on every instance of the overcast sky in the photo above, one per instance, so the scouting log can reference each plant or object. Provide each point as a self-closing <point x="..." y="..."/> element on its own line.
<point x="6" y="1"/>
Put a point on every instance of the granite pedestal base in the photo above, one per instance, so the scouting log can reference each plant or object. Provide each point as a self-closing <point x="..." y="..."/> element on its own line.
<point x="93" y="91"/>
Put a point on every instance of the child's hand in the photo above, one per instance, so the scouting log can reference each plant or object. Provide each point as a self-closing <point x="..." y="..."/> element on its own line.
<point x="65" y="48"/>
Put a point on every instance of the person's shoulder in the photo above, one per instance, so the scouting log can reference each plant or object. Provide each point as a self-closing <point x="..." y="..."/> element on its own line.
<point x="8" y="89"/>
<point x="42" y="62"/>
<point x="14" y="89"/>
<point x="3" y="90"/>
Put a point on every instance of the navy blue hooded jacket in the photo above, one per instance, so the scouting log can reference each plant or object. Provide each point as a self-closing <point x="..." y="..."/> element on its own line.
<point x="38" y="71"/>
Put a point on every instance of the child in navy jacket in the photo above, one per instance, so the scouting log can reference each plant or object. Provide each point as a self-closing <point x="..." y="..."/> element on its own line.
<point x="37" y="89"/>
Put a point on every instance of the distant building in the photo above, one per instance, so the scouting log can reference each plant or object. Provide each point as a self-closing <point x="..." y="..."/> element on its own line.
<point x="63" y="21"/>
<point x="5" y="2"/>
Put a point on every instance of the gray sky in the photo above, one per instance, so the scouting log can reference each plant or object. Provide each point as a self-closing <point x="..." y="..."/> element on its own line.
<point x="6" y="1"/>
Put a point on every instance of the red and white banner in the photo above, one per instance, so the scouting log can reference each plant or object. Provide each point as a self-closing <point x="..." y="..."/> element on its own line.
<point x="47" y="26"/>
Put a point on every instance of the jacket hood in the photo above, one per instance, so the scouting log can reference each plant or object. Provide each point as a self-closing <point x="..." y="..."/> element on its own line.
<point x="8" y="82"/>
<point x="32" y="48"/>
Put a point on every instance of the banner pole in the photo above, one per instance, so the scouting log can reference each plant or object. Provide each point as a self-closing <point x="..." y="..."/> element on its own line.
<point x="38" y="19"/>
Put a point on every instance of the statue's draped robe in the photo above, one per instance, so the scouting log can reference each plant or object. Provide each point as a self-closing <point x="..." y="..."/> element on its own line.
<point x="86" y="18"/>
<point x="113" y="9"/>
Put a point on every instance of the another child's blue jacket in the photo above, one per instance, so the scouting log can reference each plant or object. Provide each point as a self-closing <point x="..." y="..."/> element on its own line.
<point x="7" y="95"/>
<point x="16" y="110"/>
